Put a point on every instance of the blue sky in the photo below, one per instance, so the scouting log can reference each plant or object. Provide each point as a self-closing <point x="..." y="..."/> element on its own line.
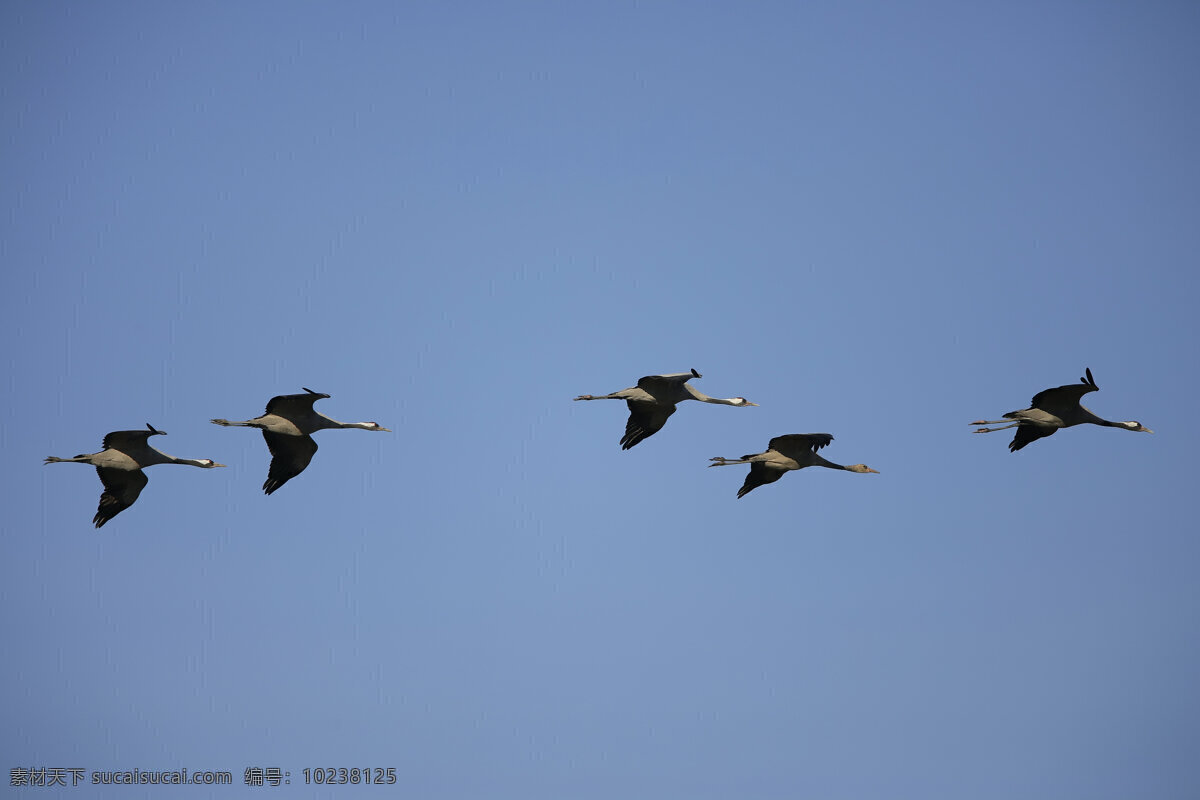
<point x="876" y="220"/>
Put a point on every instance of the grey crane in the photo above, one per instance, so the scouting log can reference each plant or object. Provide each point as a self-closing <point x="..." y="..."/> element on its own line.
<point x="653" y="401"/>
<point x="1053" y="409"/>
<point x="286" y="426"/>
<point x="791" y="451"/>
<point x="120" y="465"/>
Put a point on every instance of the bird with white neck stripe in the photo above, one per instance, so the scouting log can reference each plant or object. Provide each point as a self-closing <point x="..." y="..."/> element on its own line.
<point x="120" y="465"/>
<point x="653" y="401"/>
<point x="286" y="426"/>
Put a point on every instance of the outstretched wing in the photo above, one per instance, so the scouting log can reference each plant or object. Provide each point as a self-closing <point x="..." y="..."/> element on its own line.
<point x="760" y="475"/>
<point x="289" y="456"/>
<point x="121" y="490"/>
<point x="121" y="440"/>
<point x="793" y="445"/>
<point x="645" y="420"/>
<point x="286" y="404"/>
<point x="1029" y="433"/>
<point x="668" y="388"/>
<point x="1069" y="395"/>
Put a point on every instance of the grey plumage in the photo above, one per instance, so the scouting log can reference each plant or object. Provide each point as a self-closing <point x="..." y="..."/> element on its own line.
<point x="784" y="453"/>
<point x="286" y="426"/>
<point x="1052" y="409"/>
<point x="652" y="402"/>
<point x="119" y="465"/>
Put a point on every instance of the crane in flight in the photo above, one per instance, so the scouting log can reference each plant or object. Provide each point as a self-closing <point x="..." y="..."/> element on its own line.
<point x="120" y="463"/>
<point x="784" y="453"/>
<point x="1052" y="409"/>
<point x="653" y="401"/>
<point x="286" y="426"/>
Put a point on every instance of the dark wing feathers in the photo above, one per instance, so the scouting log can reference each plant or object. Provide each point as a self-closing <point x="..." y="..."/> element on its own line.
<point x="799" y="442"/>
<point x="121" y="490"/>
<point x="760" y="475"/>
<point x="1029" y="433"/>
<point x="289" y="456"/>
<point x="1072" y="392"/>
<point x="283" y="403"/>
<point x="115" y="440"/>
<point x="663" y="385"/>
<point x="645" y="420"/>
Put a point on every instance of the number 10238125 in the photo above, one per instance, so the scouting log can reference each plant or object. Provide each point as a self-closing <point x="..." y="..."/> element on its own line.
<point x="342" y="775"/>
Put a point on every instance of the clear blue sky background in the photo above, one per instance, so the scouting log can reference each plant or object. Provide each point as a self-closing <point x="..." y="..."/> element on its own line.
<point x="877" y="220"/>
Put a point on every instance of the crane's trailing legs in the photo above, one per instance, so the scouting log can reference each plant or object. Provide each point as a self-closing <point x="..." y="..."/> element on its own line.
<point x="653" y="401"/>
<point x="638" y="392"/>
<point x="993" y="422"/>
<point x="1051" y="410"/>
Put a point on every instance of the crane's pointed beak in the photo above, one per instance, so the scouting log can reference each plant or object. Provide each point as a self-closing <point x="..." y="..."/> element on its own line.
<point x="215" y="464"/>
<point x="751" y="404"/>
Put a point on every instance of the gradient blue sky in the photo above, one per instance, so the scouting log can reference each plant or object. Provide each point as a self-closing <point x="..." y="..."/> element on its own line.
<point x="879" y="220"/>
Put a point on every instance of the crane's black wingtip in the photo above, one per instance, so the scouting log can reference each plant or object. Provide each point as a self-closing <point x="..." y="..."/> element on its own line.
<point x="633" y="439"/>
<point x="696" y="374"/>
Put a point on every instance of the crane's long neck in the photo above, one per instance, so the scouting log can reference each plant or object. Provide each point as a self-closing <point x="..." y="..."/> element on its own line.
<point x="1087" y="415"/>
<point x="328" y="423"/>
<point x="156" y="457"/>
<point x="149" y="457"/>
<point x="819" y="461"/>
<point x="723" y="401"/>
<point x="1090" y="416"/>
